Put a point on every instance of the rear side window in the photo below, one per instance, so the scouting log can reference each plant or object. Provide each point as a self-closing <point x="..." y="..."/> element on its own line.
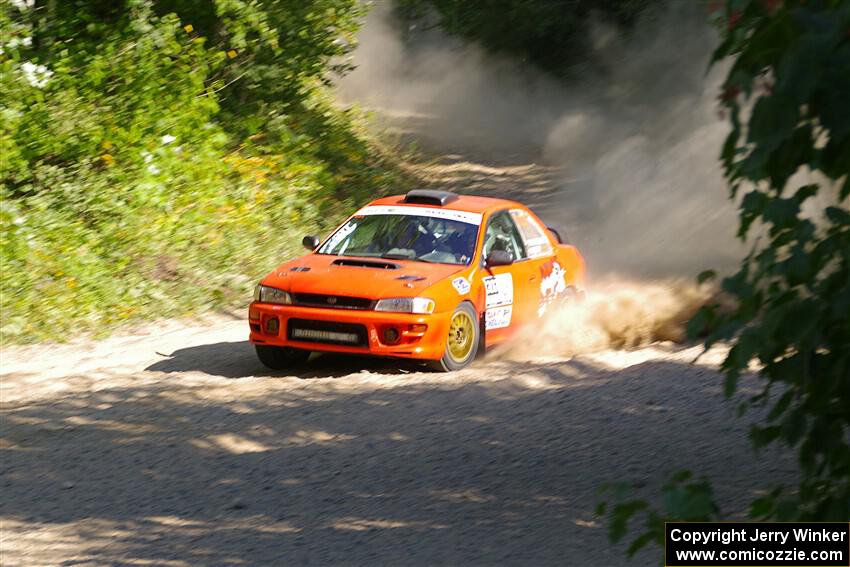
<point x="534" y="237"/>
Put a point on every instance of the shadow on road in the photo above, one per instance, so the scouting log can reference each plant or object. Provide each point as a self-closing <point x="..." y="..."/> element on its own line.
<point x="238" y="360"/>
<point x="500" y="468"/>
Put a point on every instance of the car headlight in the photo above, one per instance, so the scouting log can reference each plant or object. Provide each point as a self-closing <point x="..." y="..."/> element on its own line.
<point x="406" y="305"/>
<point x="266" y="294"/>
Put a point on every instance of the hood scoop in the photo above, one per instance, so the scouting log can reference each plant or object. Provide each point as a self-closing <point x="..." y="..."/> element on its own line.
<point x="300" y="269"/>
<point x="366" y="264"/>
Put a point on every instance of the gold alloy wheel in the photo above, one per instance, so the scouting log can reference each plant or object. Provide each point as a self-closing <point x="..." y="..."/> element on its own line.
<point x="461" y="335"/>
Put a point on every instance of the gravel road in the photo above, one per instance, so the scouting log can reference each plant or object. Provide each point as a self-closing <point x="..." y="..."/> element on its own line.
<point x="173" y="446"/>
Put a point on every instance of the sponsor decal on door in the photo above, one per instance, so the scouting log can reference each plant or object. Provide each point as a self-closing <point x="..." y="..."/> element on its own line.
<point x="497" y="317"/>
<point x="499" y="301"/>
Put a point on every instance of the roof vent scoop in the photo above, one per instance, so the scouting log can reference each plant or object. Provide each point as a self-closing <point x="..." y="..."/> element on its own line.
<point x="430" y="197"/>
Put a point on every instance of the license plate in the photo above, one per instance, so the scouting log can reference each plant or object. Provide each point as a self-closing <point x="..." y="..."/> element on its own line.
<point x="317" y="335"/>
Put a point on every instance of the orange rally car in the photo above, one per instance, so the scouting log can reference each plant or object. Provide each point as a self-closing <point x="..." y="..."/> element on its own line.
<point x="430" y="275"/>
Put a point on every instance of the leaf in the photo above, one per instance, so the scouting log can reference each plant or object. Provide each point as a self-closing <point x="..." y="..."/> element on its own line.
<point x="730" y="383"/>
<point x="802" y="320"/>
<point x="690" y="502"/>
<point x="788" y="510"/>
<point x="762" y="507"/>
<point x="794" y="426"/>
<point x="639" y="543"/>
<point x="781" y="213"/>
<point x="721" y="52"/>
<point x="801" y="67"/>
<point x="752" y="206"/>
<point x="780" y="406"/>
<point x="728" y="152"/>
<point x="680" y="476"/>
<point x="706" y="276"/>
<point x="798" y="267"/>
<point x="838" y="215"/>
<point x="761" y="436"/>
<point x="791" y="154"/>
<point x="620" y="516"/>
<point x="699" y="323"/>
<point x="774" y="118"/>
<point x="806" y="192"/>
<point x="833" y="106"/>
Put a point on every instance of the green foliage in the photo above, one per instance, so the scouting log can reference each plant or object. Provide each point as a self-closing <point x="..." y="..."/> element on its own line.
<point x="684" y="500"/>
<point x="787" y="95"/>
<point x="148" y="167"/>
<point x="554" y="35"/>
<point x="792" y="68"/>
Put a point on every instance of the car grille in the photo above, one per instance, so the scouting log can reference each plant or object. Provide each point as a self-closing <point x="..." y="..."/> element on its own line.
<point x="310" y="331"/>
<point x="332" y="301"/>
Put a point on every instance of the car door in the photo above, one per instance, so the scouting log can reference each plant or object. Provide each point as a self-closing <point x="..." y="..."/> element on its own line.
<point x="508" y="303"/>
<point x="550" y="282"/>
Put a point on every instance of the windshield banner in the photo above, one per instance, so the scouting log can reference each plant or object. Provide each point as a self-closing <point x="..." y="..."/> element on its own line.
<point x="447" y="214"/>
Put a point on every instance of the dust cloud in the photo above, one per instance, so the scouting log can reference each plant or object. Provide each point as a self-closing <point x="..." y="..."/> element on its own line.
<point x="635" y="136"/>
<point x="629" y="150"/>
<point x="615" y="314"/>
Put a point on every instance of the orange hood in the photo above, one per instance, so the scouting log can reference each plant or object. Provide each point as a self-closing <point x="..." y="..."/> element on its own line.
<point x="372" y="278"/>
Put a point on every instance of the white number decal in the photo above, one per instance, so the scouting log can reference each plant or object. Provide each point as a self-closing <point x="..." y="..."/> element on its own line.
<point x="500" y="290"/>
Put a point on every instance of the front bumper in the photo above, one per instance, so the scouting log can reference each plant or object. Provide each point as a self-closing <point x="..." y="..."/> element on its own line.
<point x="413" y="341"/>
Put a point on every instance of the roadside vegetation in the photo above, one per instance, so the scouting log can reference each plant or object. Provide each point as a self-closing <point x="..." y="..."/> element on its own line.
<point x="556" y="36"/>
<point x="158" y="156"/>
<point x="788" y="158"/>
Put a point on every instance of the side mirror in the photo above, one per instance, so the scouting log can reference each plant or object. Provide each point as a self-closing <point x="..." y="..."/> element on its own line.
<point x="499" y="258"/>
<point x="311" y="242"/>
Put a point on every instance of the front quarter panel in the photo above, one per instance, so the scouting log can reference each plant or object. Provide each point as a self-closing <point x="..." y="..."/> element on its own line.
<point x="451" y="291"/>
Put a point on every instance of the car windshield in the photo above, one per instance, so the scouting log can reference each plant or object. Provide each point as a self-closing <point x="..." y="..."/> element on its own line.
<point x="404" y="237"/>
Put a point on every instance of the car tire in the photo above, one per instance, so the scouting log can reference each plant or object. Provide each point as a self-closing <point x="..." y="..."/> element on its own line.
<point x="281" y="358"/>
<point x="462" y="342"/>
